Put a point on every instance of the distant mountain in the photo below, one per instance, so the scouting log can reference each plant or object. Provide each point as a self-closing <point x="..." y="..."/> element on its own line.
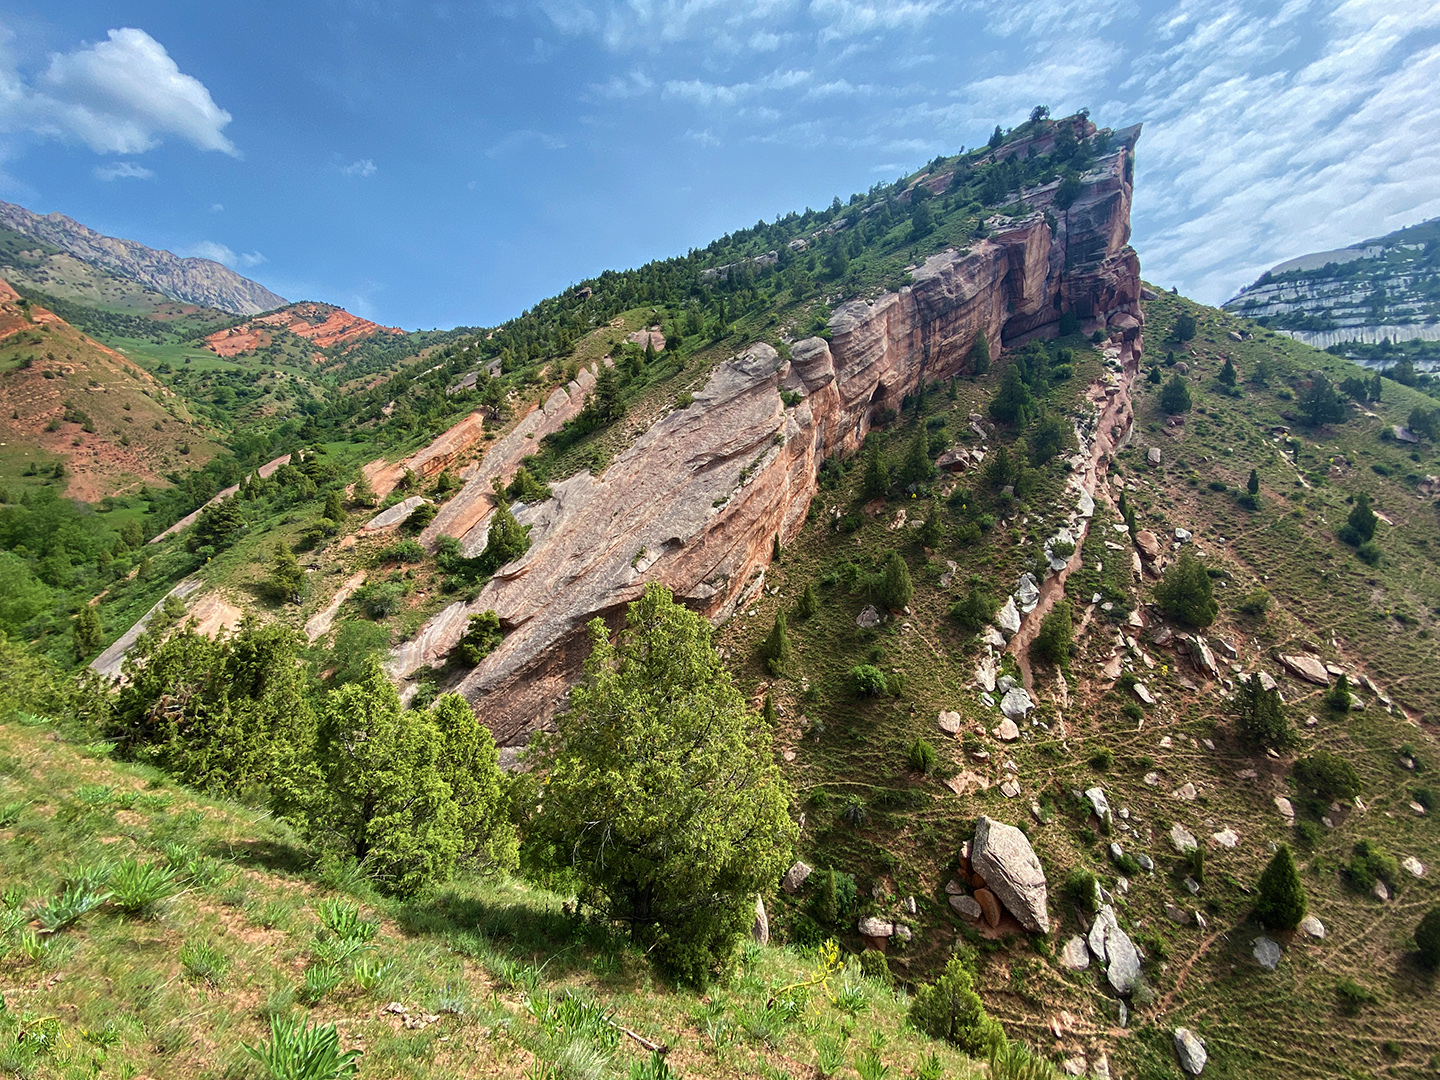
<point x="1385" y="288"/>
<point x="191" y="281"/>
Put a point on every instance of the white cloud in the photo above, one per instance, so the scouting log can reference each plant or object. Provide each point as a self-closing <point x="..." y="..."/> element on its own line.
<point x="525" y="137"/>
<point x="706" y="94"/>
<point x="635" y="84"/>
<point x="847" y="18"/>
<point x="217" y="252"/>
<point x="216" y="208"/>
<point x="362" y="168"/>
<point x="122" y="170"/>
<point x="119" y="96"/>
<point x="703" y="138"/>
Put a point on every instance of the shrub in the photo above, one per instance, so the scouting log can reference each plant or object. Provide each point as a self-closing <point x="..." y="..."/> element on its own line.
<point x="402" y="551"/>
<point x="895" y="589"/>
<point x="1337" y="698"/>
<point x="950" y="1009"/>
<point x="380" y="599"/>
<point x="1328" y="776"/>
<point x="1185" y="594"/>
<point x="977" y="607"/>
<point x="869" y="680"/>
<point x="921" y="757"/>
<point x="1102" y="759"/>
<point x="834" y="900"/>
<point x="1053" y="642"/>
<point x="1255" y="603"/>
<point x="482" y="636"/>
<point x="808" y="604"/>
<point x="203" y="962"/>
<point x="1368" y="553"/>
<point x="1082" y="887"/>
<point x="775" y="649"/>
<point x="1427" y="938"/>
<point x="139" y="889"/>
<point x="1353" y="997"/>
<point x="421" y="516"/>
<point x="1368" y="864"/>
<point x="1184" y="328"/>
<point x="1282" y="904"/>
<point x="1175" y="396"/>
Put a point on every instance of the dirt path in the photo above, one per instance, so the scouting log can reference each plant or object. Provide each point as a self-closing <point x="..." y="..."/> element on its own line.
<point x="1115" y="413"/>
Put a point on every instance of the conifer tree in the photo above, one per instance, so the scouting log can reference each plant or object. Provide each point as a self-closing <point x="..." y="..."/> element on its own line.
<point x="334" y="508"/>
<point x="1227" y="373"/>
<point x="1185" y="594"/>
<point x="88" y="635"/>
<point x="362" y="494"/>
<point x="877" y="473"/>
<point x="895" y="589"/>
<point x="1262" y="720"/>
<point x="1282" y="904"/>
<point x="1252" y="486"/>
<point x="776" y="647"/>
<point x="980" y="353"/>
<point x="286" y="582"/>
<point x="505" y="542"/>
<point x="1427" y="938"/>
<point x="1337" y="698"/>
<point x="918" y="468"/>
<point x="932" y="533"/>
<point x="470" y="764"/>
<point x="808" y="604"/>
<point x="1175" y="397"/>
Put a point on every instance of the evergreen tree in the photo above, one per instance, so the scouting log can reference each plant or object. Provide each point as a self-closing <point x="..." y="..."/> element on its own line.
<point x="334" y="508"/>
<point x="932" y="533"/>
<point x="1320" y="403"/>
<point x="1227" y="373"/>
<point x="1252" y="485"/>
<point x="383" y="797"/>
<point x="877" y="473"/>
<point x="1282" y="904"/>
<point x="808" y="604"/>
<point x="1175" y="397"/>
<point x="895" y="588"/>
<point x="482" y="636"/>
<point x="1359" y="527"/>
<point x="950" y="1009"/>
<point x="1185" y="326"/>
<point x="775" y="649"/>
<point x="1262" y="720"/>
<point x="469" y="762"/>
<point x="88" y="635"/>
<point x="918" y="468"/>
<point x="976" y="608"/>
<point x="1337" y="698"/>
<point x="1427" y="938"/>
<point x="218" y="526"/>
<point x="1185" y="595"/>
<point x="362" y="494"/>
<point x="1014" y="403"/>
<point x="505" y="542"/>
<point x="980" y="353"/>
<point x="1153" y="377"/>
<point x="1050" y="437"/>
<point x="1053" y="642"/>
<point x="286" y="582"/>
<point x="660" y="748"/>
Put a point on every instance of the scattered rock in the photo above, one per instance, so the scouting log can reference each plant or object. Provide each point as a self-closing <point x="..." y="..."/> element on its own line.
<point x="1178" y="916"/>
<point x="872" y="927"/>
<point x="1143" y="693"/>
<point x="795" y="877"/>
<point x="1075" y="956"/>
<point x="1100" y="805"/>
<point x="1190" y="1049"/>
<point x="1010" y="787"/>
<point x="966" y="905"/>
<point x="1413" y="866"/>
<point x="950" y="722"/>
<point x="1027" y="593"/>
<point x="1075" y="1066"/>
<point x="1267" y="953"/>
<point x="869" y="618"/>
<point x="1200" y="921"/>
<point x="1016" y="703"/>
<point x="1312" y="926"/>
<point x="1099" y="929"/>
<point x="1185" y="793"/>
<point x="1307" y="667"/>
<point x="1286" y="808"/>
<point x="1146" y="863"/>
<point x="953" y="888"/>
<point x="1192" y="885"/>
<point x="1123" y="972"/>
<point x="1182" y="838"/>
<point x="1004" y="857"/>
<point x="1149" y="545"/>
<point x="909" y="906"/>
<point x="1008" y="620"/>
<point x="1007" y="731"/>
<point x="1152" y="779"/>
<point x="1152" y="456"/>
<point x="989" y="906"/>
<point x="1226" y="838"/>
<point x="1380" y="892"/>
<point x="1417" y="808"/>
<point x="760" y="930"/>
<point x="993" y="638"/>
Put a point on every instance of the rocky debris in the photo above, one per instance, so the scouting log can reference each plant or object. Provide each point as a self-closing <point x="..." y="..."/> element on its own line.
<point x="1310" y="668"/>
<point x="1002" y="855"/>
<point x="909" y="906"/>
<point x="949" y="722"/>
<point x="1286" y="808"/>
<point x="1113" y="947"/>
<point x="987" y="670"/>
<point x="1185" y="792"/>
<point x="1267" y="681"/>
<point x="1413" y="866"/>
<point x="1190" y="1049"/>
<point x="1027" y="593"/>
<point x="1100" y="805"/>
<point x="989" y="906"/>
<point x="1007" y="731"/>
<point x="1179" y="916"/>
<point x="1016" y="703"/>
<point x="1192" y="885"/>
<point x="1075" y="956"/>
<point x="1143" y="693"/>
<point x="871" y="927"/>
<point x="966" y="906"/>
<point x="795" y="877"/>
<point x="1380" y="892"/>
<point x="993" y="638"/>
<point x="1226" y="838"/>
<point x="1182" y="838"/>
<point x="869" y="617"/>
<point x="394" y="515"/>
<point x="760" y="929"/>
<point x="1267" y="953"/>
<point x="1204" y="658"/>
<point x="1010" y="787"/>
<point x="1148" y="543"/>
<point x="1312" y="927"/>
<point x="1152" y="457"/>
<point x="1008" y="618"/>
<point x="1152" y="779"/>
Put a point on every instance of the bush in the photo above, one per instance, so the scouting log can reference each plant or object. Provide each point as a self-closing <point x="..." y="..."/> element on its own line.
<point x="1255" y="603"/>
<point x="895" y="589"/>
<point x="1053" y="642"/>
<point x="1337" y="698"/>
<point x="808" y="604"/>
<point x="834" y="899"/>
<point x="1427" y="938"/>
<point x="482" y="636"/>
<point x="1368" y="864"/>
<point x="1102" y="759"/>
<point x="380" y="599"/>
<point x="921" y="756"/>
<point x="1175" y="396"/>
<point x="1184" y="328"/>
<point x="1082" y="887"/>
<point x="1327" y="775"/>
<point x="976" y="608"/>
<point x="1185" y="594"/>
<point x="869" y="680"/>
<point x="950" y="1009"/>
<point x="1282" y="903"/>
<point x="418" y="518"/>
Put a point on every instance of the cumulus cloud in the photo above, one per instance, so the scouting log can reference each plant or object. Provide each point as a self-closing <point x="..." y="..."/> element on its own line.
<point x="124" y="95"/>
<point x="122" y="170"/>
<point x="217" y="252"/>
<point x="362" y="168"/>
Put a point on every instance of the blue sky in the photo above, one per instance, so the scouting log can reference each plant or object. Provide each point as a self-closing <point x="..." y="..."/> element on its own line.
<point x="451" y="163"/>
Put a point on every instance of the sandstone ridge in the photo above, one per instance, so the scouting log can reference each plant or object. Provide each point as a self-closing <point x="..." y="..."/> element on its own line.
<point x="696" y="502"/>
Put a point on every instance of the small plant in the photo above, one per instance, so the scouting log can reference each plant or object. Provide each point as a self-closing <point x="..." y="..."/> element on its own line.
<point x="869" y="680"/>
<point x="1082" y="887"/>
<point x="343" y="920"/>
<point x="869" y="1066"/>
<point x="921" y="757"/>
<point x="140" y="889"/>
<point x="1102" y="759"/>
<point x="369" y="973"/>
<point x="320" y="980"/>
<point x="854" y="812"/>
<point x="852" y="999"/>
<point x="297" y="1051"/>
<point x="65" y="910"/>
<point x="1353" y="997"/>
<point x="203" y="962"/>
<point x="829" y="1057"/>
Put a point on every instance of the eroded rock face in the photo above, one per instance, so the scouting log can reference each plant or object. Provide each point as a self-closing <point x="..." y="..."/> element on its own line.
<point x="696" y="501"/>
<point x="1003" y="856"/>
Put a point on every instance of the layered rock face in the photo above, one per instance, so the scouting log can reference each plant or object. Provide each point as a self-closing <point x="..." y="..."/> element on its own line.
<point x="697" y="501"/>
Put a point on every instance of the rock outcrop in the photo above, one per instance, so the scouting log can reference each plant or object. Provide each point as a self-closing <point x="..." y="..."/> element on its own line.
<point x="697" y="500"/>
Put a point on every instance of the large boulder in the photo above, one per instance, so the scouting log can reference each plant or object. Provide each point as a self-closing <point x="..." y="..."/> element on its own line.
<point x="795" y="877"/>
<point x="1112" y="946"/>
<point x="1003" y="856"/>
<point x="1190" y="1049"/>
<point x="1307" y="667"/>
<point x="1016" y="703"/>
<point x="1008" y="619"/>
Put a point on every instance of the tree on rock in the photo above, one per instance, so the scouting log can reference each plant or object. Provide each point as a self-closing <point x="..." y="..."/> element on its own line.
<point x="775" y="649"/>
<point x="1185" y="595"/>
<point x="662" y="795"/>
<point x="506" y="541"/>
<point x="1427" y="937"/>
<point x="1175" y="396"/>
<point x="895" y="589"/>
<point x="1282" y="902"/>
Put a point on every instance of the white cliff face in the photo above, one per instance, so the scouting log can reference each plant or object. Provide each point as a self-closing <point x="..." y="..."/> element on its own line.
<point x="697" y="500"/>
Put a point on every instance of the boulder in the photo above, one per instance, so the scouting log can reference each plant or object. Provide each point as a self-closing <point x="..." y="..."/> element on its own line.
<point x="1312" y="927"/>
<point x="1143" y="693"/>
<point x="1075" y="956"/>
<point x="1100" y="805"/>
<point x="1003" y="856"/>
<point x="1008" y="619"/>
<point x="1226" y="838"/>
<point x="394" y="515"/>
<point x="989" y="906"/>
<point x="1027" y="593"/>
<point x="1182" y="838"/>
<point x="988" y="668"/>
<point x="1123" y="959"/>
<point x="1190" y="1049"/>
<point x="1286" y="808"/>
<point x="1179" y="916"/>
<point x="795" y="877"/>
<point x="993" y="638"/>
<point x="1307" y="667"/>
<point x="1010" y="787"/>
<point x="1148" y="543"/>
<point x="1185" y="792"/>
<point x="1413" y="866"/>
<point x="871" y="927"/>
<point x="1007" y="731"/>
<point x="869" y="617"/>
<point x="1266" y="953"/>
<point x="1381" y="892"/>
<point x="1152" y="456"/>
<point x="966" y="905"/>
<point x="1016" y="703"/>
<point x="949" y="722"/>
<point x="760" y="930"/>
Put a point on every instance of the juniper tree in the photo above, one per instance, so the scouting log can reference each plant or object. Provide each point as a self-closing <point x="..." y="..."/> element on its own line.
<point x="1175" y="397"/>
<point x="334" y="508"/>
<point x="1185" y="594"/>
<point x="1252" y="485"/>
<point x="505" y="541"/>
<point x="980" y="353"/>
<point x="662" y="794"/>
<point x="87" y="635"/>
<point x="1281" y="904"/>
<point x="469" y="762"/>
<point x="1262" y="721"/>
<point x="808" y="604"/>
<point x="775" y="649"/>
<point x="1227" y="373"/>
<point x="877" y="474"/>
<point x="286" y="582"/>
<point x="895" y="588"/>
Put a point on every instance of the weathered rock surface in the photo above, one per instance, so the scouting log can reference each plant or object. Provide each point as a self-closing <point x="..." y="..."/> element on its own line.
<point x="1003" y="856"/>
<point x="1008" y="618"/>
<point x="795" y="877"/>
<point x="697" y="500"/>
<point x="1016" y="703"/>
<point x="949" y="721"/>
<point x="966" y="905"/>
<point x="760" y="929"/>
<point x="1190" y="1049"/>
<point x="989" y="906"/>
<point x="870" y="926"/>
<point x="1266" y="953"/>
<point x="1075" y="956"/>
<point x="1309" y="668"/>
<point x="1312" y="927"/>
<point x="1182" y="838"/>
